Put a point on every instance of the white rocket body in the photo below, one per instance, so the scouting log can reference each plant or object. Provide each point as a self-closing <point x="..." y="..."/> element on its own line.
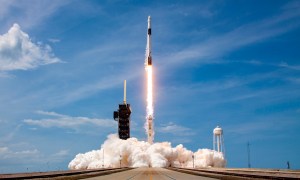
<point x="148" y="61"/>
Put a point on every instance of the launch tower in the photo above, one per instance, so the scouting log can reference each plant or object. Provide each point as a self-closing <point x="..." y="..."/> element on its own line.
<point x="122" y="115"/>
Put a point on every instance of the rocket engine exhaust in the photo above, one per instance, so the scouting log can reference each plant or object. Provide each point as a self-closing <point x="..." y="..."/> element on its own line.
<point x="148" y="68"/>
<point x="149" y="116"/>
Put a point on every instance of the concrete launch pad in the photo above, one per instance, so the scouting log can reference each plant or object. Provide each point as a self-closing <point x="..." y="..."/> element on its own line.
<point x="150" y="173"/>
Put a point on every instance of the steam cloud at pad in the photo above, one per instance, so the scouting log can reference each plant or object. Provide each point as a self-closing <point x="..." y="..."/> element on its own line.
<point x="134" y="153"/>
<point x="123" y="152"/>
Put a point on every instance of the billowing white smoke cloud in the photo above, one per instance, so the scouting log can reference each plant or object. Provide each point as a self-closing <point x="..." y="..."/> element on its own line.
<point x="134" y="153"/>
<point x="17" y="51"/>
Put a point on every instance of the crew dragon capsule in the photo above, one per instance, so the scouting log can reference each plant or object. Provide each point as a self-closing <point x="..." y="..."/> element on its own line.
<point x="148" y="53"/>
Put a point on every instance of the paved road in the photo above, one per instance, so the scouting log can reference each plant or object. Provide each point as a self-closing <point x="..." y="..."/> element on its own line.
<point x="151" y="174"/>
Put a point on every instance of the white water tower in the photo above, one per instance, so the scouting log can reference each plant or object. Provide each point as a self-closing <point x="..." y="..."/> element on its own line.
<point x="218" y="140"/>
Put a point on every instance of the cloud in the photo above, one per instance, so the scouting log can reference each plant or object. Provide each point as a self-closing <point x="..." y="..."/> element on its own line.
<point x="28" y="13"/>
<point x="31" y="156"/>
<point x="8" y="137"/>
<point x="292" y="5"/>
<point x="47" y="113"/>
<point x="6" y="153"/>
<point x="90" y="89"/>
<point x="175" y="129"/>
<point x="53" y="40"/>
<point x="257" y="127"/>
<point x="64" y="121"/>
<point x="283" y="64"/>
<point x="63" y="152"/>
<point x="18" y="52"/>
<point x="5" y="75"/>
<point x="241" y="36"/>
<point x="58" y="156"/>
<point x="292" y="67"/>
<point x="5" y="7"/>
<point x="294" y="80"/>
<point x="3" y="150"/>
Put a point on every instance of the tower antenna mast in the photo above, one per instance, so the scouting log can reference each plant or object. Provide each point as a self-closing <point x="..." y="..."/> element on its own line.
<point x="124" y="92"/>
<point x="248" y="151"/>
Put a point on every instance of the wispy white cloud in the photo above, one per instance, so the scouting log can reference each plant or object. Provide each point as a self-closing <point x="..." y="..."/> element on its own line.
<point x="249" y="128"/>
<point x="53" y="40"/>
<point x="203" y="11"/>
<point x="292" y="5"/>
<point x="175" y="129"/>
<point x="64" y="121"/>
<point x="283" y="64"/>
<point x="47" y="113"/>
<point x="241" y="36"/>
<point x="5" y="8"/>
<point x="286" y="65"/>
<point x="262" y="126"/>
<point x="58" y="156"/>
<point x="90" y="89"/>
<point x="211" y="87"/>
<point x="233" y="89"/>
<point x="180" y="134"/>
<point x="63" y="152"/>
<point x="3" y="150"/>
<point x="8" y="137"/>
<point x="181" y="140"/>
<point x="264" y="129"/>
<point x="5" y="75"/>
<point x="18" y="52"/>
<point x="30" y="12"/>
<point x="6" y="153"/>
<point x="31" y="156"/>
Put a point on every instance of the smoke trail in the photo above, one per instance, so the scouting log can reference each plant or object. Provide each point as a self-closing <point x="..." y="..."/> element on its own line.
<point x="134" y="153"/>
<point x="149" y="108"/>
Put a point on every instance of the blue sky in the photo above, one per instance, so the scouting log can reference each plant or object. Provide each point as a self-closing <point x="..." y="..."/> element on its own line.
<point x="229" y="63"/>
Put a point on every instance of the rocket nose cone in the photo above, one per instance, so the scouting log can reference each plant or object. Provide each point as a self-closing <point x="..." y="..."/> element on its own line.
<point x="149" y="22"/>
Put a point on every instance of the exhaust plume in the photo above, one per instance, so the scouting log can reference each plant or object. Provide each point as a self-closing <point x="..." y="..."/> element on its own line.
<point x="134" y="153"/>
<point x="149" y="108"/>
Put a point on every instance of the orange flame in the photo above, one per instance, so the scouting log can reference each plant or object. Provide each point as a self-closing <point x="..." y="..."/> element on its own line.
<point x="149" y="117"/>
